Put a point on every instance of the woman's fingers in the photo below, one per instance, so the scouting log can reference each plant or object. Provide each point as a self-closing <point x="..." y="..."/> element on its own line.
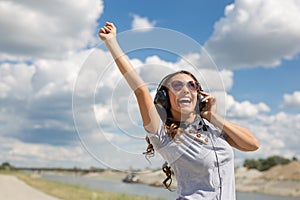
<point x="102" y="30"/>
<point x="204" y="93"/>
<point x="207" y="97"/>
<point x="109" y="24"/>
<point x="107" y="29"/>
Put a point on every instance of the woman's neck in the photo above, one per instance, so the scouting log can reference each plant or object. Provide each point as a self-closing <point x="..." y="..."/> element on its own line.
<point x="184" y="117"/>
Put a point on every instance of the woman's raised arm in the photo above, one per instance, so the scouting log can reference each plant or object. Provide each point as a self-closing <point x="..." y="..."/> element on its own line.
<point x="148" y="111"/>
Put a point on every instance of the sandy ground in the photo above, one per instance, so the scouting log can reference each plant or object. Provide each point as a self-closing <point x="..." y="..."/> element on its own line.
<point x="281" y="180"/>
<point x="12" y="188"/>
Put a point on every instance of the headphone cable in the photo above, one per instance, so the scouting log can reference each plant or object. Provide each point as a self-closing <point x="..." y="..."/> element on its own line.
<point x="207" y="128"/>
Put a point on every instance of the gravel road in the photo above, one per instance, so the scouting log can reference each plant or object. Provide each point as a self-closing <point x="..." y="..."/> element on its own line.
<point x="12" y="188"/>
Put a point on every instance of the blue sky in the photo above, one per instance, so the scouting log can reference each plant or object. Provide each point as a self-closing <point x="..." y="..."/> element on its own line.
<point x="63" y="102"/>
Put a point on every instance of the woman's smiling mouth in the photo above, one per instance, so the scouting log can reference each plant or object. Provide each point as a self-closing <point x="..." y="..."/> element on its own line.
<point x="184" y="101"/>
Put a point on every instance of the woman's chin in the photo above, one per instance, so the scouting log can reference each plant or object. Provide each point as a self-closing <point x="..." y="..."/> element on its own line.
<point x="186" y="110"/>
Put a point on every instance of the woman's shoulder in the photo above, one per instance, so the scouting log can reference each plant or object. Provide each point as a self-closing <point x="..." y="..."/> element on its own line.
<point x="160" y="138"/>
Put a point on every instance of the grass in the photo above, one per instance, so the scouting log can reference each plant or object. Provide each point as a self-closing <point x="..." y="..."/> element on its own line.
<point x="71" y="192"/>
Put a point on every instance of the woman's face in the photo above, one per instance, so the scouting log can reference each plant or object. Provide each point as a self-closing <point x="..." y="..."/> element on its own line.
<point x="183" y="95"/>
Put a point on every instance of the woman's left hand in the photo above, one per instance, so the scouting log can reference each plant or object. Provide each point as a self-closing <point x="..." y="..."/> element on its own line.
<point x="237" y="136"/>
<point x="210" y="106"/>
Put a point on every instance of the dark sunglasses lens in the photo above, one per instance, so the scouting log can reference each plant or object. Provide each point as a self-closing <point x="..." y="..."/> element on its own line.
<point x="192" y="85"/>
<point x="177" y="85"/>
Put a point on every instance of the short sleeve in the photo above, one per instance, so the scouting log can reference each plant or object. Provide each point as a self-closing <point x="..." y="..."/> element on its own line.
<point x="158" y="140"/>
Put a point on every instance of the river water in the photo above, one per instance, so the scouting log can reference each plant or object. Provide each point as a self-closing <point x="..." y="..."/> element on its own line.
<point x="142" y="190"/>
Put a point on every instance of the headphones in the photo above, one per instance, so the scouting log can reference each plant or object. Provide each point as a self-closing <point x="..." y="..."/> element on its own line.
<point x="162" y="100"/>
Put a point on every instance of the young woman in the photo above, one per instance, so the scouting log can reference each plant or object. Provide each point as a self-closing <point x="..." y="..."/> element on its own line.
<point x="183" y="126"/>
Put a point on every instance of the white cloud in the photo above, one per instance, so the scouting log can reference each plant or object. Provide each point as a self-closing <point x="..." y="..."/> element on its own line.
<point x="210" y="76"/>
<point x="142" y="24"/>
<point x="31" y="29"/>
<point x="36" y="100"/>
<point x="256" y="33"/>
<point x="16" y="80"/>
<point x="244" y="109"/>
<point x="291" y="100"/>
<point x="277" y="134"/>
<point x="32" y="154"/>
<point x="211" y="79"/>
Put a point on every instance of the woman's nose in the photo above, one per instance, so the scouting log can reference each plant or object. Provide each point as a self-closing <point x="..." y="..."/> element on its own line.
<point x="185" y="89"/>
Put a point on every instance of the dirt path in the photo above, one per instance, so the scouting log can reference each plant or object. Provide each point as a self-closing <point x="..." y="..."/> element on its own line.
<point x="12" y="188"/>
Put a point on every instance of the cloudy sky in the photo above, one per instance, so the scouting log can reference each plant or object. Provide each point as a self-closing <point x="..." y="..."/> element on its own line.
<point x="64" y="103"/>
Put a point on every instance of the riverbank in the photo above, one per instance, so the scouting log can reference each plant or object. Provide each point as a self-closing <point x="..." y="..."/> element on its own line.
<point x="282" y="180"/>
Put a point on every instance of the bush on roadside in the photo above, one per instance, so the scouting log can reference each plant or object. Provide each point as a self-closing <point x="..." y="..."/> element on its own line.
<point x="265" y="164"/>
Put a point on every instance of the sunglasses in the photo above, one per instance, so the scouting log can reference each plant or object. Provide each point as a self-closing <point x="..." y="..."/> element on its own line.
<point x="178" y="85"/>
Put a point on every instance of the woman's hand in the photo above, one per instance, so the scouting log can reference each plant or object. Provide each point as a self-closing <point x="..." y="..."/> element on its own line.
<point x="210" y="106"/>
<point x="237" y="136"/>
<point x="107" y="31"/>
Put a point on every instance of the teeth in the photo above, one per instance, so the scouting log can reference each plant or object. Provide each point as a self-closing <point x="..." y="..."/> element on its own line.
<point x="185" y="100"/>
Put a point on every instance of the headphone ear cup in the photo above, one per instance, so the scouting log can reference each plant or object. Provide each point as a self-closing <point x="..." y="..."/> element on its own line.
<point x="200" y="104"/>
<point x="162" y="98"/>
<point x="162" y="104"/>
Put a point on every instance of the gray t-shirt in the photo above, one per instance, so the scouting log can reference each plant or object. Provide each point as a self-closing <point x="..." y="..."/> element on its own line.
<point x="195" y="155"/>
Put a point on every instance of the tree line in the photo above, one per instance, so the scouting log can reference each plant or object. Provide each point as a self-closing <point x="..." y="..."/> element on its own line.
<point x="265" y="164"/>
<point x="8" y="167"/>
<point x="260" y="164"/>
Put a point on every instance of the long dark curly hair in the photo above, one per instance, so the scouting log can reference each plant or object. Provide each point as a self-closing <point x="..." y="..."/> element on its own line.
<point x="171" y="126"/>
